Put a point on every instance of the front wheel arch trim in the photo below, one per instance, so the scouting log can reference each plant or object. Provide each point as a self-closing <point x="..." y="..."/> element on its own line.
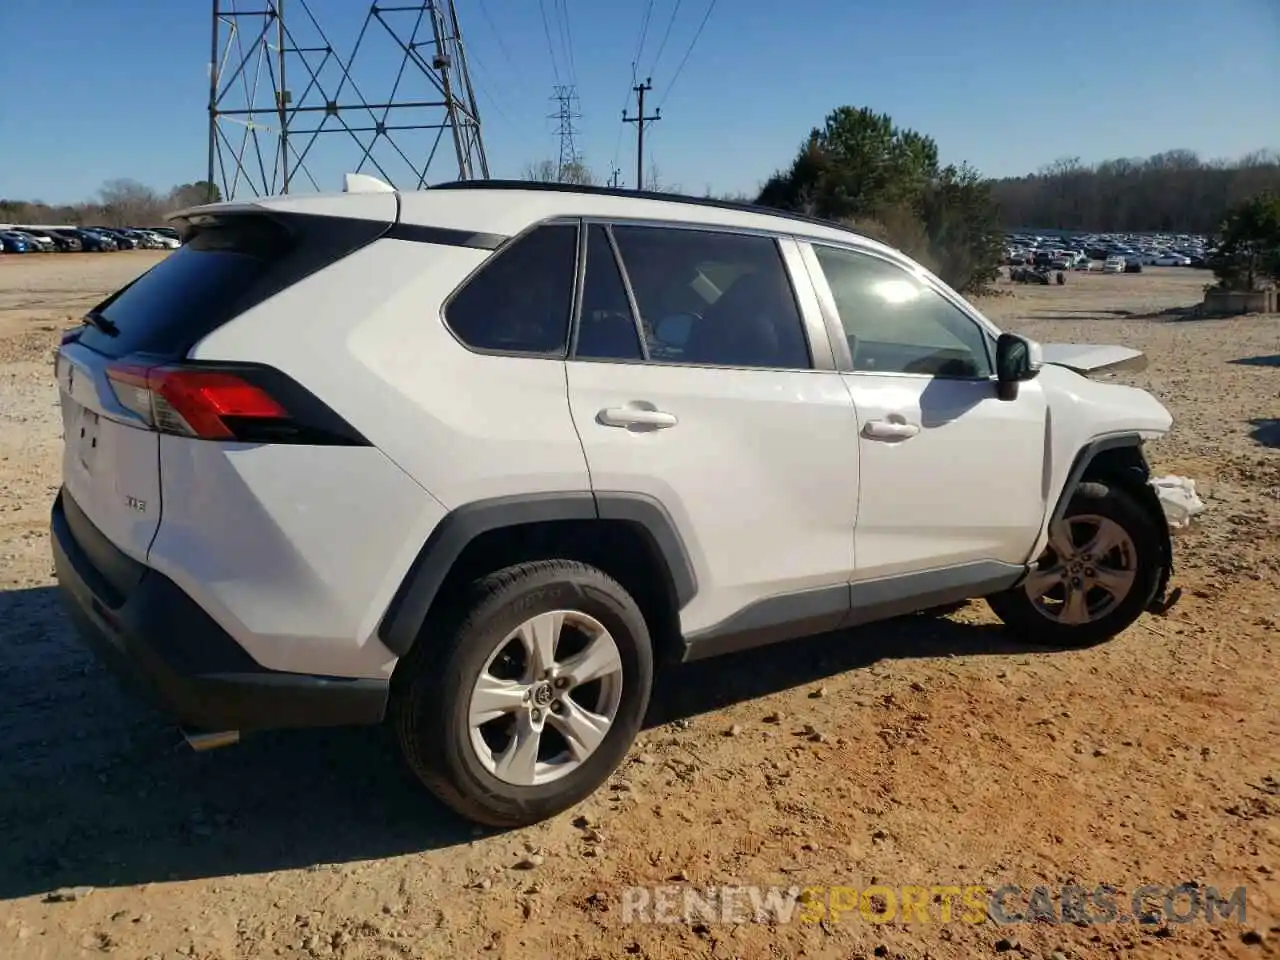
<point x="1139" y="486"/>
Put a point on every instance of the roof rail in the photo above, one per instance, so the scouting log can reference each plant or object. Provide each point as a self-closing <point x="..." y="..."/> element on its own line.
<point x="642" y="195"/>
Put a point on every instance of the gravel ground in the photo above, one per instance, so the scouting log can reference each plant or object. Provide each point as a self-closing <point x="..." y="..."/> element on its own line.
<point x="927" y="751"/>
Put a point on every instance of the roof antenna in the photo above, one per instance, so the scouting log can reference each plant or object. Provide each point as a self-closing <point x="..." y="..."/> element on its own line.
<point x="363" y="183"/>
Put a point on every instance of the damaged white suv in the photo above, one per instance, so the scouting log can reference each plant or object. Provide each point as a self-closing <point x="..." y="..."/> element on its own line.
<point x="474" y="458"/>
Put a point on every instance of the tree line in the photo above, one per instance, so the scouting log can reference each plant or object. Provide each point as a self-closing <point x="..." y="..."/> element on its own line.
<point x="861" y="169"/>
<point x="119" y="203"/>
<point x="1171" y="192"/>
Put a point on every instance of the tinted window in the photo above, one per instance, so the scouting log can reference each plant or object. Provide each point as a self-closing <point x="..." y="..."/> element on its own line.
<point x="191" y="291"/>
<point x="895" y="323"/>
<point x="519" y="301"/>
<point x="606" y="329"/>
<point x="713" y="298"/>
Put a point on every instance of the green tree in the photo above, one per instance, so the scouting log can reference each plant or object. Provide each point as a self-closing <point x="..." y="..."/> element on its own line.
<point x="861" y="169"/>
<point x="548" y="171"/>
<point x="193" y="194"/>
<point x="1249" y="243"/>
<point x="962" y="224"/>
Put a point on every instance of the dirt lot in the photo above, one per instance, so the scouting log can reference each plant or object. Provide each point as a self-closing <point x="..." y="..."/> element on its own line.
<point x="922" y="752"/>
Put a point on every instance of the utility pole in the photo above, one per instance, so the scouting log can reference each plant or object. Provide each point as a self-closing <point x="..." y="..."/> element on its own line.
<point x="640" y="120"/>
<point x="613" y="177"/>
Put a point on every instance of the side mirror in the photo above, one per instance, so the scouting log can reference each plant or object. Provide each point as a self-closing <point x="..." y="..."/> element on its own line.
<point x="1017" y="359"/>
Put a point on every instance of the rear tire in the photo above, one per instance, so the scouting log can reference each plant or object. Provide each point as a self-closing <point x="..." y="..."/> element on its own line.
<point x="557" y="656"/>
<point x="1096" y="577"/>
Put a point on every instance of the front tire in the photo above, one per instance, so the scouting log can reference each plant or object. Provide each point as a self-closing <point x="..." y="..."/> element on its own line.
<point x="520" y="701"/>
<point x="1098" y="574"/>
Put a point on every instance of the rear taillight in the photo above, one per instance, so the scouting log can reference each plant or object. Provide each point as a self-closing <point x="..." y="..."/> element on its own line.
<point x="209" y="405"/>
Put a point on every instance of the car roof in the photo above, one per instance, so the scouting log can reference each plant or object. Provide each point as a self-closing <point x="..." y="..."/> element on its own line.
<point x="508" y="207"/>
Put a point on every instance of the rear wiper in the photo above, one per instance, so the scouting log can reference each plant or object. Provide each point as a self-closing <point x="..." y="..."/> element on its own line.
<point x="96" y="320"/>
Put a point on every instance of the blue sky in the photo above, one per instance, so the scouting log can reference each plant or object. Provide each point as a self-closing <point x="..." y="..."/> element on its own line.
<point x="96" y="89"/>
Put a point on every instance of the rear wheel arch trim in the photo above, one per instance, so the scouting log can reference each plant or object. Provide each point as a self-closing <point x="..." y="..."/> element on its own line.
<point x="407" y="612"/>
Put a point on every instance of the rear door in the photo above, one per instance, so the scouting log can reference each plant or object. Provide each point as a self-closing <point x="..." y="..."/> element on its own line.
<point x="701" y="378"/>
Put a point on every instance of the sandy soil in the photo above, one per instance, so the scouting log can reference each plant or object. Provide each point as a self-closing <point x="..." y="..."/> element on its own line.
<point x="927" y="751"/>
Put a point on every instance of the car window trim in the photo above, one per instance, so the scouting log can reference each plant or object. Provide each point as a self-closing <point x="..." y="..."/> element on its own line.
<point x="820" y="356"/>
<point x="632" y="304"/>
<point x="827" y="298"/>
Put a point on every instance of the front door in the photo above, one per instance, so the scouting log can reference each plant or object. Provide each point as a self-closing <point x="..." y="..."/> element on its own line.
<point x="693" y="382"/>
<point x="950" y="474"/>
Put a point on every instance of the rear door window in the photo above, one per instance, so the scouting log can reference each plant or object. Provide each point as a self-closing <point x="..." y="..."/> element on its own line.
<point x="712" y="298"/>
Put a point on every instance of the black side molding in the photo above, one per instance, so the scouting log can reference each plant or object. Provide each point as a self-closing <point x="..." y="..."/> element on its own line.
<point x="772" y="620"/>
<point x="416" y="233"/>
<point x="409" y="607"/>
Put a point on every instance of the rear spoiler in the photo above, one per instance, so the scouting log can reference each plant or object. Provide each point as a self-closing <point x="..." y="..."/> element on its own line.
<point x="1086" y="358"/>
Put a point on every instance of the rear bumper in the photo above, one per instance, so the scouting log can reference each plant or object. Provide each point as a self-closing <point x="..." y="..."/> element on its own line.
<point x="159" y="640"/>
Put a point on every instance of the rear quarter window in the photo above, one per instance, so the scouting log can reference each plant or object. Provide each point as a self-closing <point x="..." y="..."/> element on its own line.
<point x="229" y="263"/>
<point x="192" y="291"/>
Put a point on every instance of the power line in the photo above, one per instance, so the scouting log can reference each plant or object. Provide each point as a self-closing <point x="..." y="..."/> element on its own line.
<point x="644" y="32"/>
<point x="551" y="49"/>
<point x="666" y="36"/>
<point x="635" y="65"/>
<point x="484" y="11"/>
<point x="566" y="36"/>
<point x="676" y="76"/>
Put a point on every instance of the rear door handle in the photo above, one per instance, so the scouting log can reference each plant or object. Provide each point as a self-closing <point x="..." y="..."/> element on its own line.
<point x="636" y="417"/>
<point x="890" y="430"/>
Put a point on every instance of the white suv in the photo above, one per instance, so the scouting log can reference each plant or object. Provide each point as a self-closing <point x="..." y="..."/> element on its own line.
<point x="474" y="458"/>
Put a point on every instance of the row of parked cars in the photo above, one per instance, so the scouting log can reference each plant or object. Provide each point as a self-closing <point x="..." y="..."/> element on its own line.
<point x="19" y="239"/>
<point x="1108" y="252"/>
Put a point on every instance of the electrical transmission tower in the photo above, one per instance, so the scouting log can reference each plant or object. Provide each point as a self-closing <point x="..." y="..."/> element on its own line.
<point x="566" y="98"/>
<point x="280" y="90"/>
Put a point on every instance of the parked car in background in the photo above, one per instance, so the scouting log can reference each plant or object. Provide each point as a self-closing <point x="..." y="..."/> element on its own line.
<point x="122" y="242"/>
<point x="96" y="240"/>
<point x="160" y="241"/>
<point x="38" y="243"/>
<point x="61" y="244"/>
<point x="68" y="239"/>
<point x="144" y="240"/>
<point x="13" y="242"/>
<point x="1113" y="265"/>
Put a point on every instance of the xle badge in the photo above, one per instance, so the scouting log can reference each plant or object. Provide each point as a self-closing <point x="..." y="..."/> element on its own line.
<point x="133" y="503"/>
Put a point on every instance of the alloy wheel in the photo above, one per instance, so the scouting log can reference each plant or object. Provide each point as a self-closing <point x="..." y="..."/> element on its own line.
<point x="1088" y="569"/>
<point x="546" y="698"/>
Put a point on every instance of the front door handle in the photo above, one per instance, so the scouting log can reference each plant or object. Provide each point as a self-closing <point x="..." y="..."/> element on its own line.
<point x="890" y="430"/>
<point x="629" y="417"/>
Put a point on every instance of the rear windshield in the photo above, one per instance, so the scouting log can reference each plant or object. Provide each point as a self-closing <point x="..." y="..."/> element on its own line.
<point x="192" y="291"/>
